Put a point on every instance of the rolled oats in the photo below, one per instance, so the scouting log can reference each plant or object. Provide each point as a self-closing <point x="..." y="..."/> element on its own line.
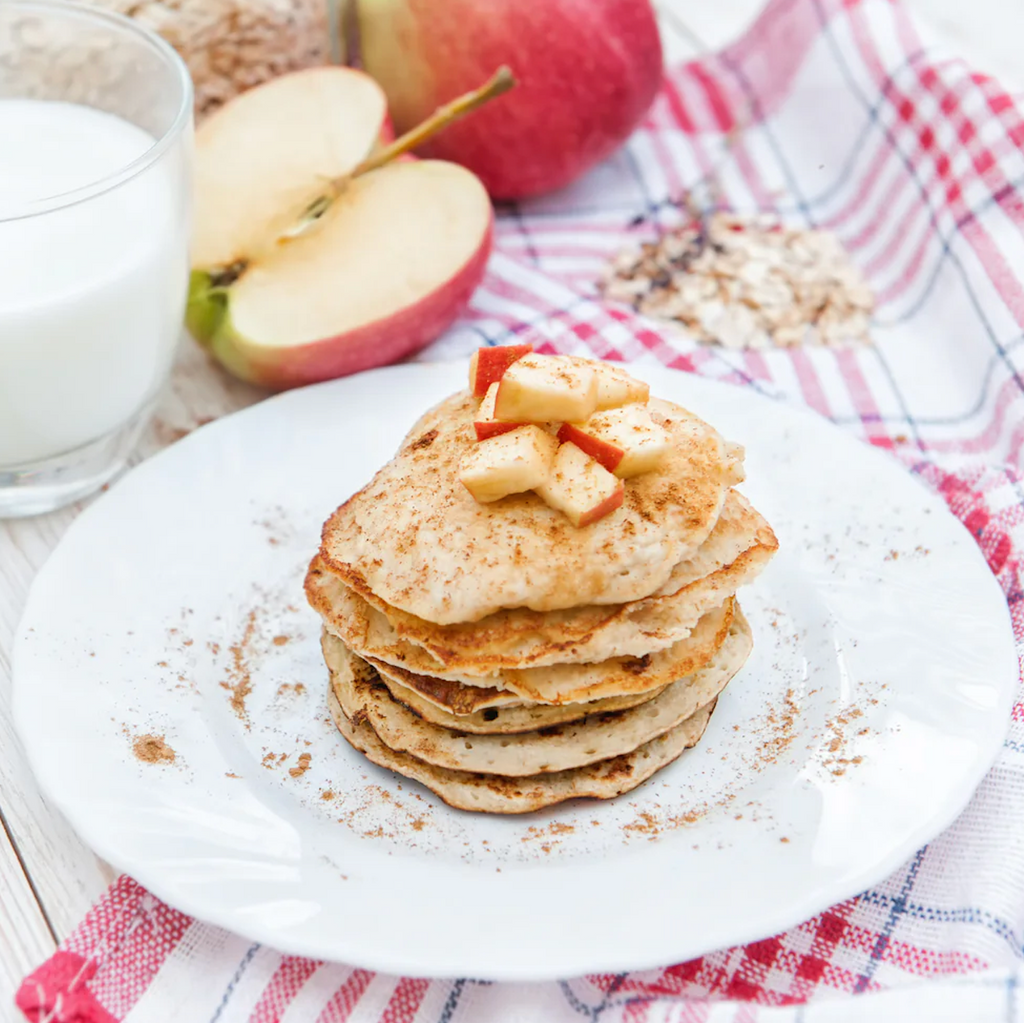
<point x="232" y="45"/>
<point x="747" y="282"/>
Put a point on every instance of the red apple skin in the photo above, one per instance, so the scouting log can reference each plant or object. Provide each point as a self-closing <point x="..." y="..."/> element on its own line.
<point x="489" y="364"/>
<point x="607" y="454"/>
<point x="606" y="507"/>
<point x="587" y="73"/>
<point x="374" y="344"/>
<point x="494" y="428"/>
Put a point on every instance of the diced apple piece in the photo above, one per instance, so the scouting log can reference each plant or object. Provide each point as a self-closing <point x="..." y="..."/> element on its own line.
<point x="632" y="430"/>
<point x="546" y="388"/>
<point x="485" y="424"/>
<point x="733" y="471"/>
<point x="607" y="454"/>
<point x="488" y="365"/>
<point x="581" y="488"/>
<point x="511" y="463"/>
<point x="616" y="387"/>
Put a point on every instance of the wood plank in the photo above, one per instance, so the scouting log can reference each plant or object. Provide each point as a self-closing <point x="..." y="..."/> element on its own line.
<point x="67" y="876"/>
<point x="25" y="937"/>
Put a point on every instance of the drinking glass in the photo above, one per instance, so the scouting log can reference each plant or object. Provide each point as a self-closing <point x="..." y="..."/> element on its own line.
<point x="95" y="157"/>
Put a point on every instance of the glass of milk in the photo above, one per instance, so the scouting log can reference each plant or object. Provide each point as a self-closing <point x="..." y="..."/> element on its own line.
<point x="95" y="150"/>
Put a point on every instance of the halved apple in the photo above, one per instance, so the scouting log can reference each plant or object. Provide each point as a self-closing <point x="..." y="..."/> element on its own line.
<point x="547" y="388"/>
<point x="643" y="443"/>
<point x="581" y="488"/>
<point x="485" y="424"/>
<point x="385" y="269"/>
<point x="616" y="387"/>
<point x="511" y="463"/>
<point x="488" y="365"/>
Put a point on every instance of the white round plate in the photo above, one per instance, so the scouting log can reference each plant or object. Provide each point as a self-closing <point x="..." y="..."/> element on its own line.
<point x="877" y="696"/>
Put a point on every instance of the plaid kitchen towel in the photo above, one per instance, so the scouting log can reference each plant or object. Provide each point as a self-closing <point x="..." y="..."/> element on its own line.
<point x="833" y="113"/>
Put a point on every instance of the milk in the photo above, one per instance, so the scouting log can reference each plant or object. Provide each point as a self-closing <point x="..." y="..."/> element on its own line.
<point x="91" y="295"/>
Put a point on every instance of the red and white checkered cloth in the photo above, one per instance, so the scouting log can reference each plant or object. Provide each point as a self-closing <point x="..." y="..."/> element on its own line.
<point x="845" y="120"/>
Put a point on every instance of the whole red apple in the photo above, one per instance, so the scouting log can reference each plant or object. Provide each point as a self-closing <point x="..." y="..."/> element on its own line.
<point x="587" y="72"/>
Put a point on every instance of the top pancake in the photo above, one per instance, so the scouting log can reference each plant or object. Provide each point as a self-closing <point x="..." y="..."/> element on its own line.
<point x="735" y="553"/>
<point x="416" y="538"/>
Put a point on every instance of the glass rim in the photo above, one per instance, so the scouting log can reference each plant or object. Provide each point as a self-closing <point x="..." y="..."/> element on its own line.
<point x="63" y="200"/>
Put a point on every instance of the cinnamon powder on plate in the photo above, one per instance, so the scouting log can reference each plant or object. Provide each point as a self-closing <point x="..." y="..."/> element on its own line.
<point x="152" y="749"/>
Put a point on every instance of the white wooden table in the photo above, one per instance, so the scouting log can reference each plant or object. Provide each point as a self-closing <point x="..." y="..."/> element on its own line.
<point x="48" y="878"/>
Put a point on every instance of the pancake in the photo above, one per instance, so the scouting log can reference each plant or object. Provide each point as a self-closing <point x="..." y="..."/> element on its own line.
<point x="739" y="529"/>
<point x="476" y="709"/>
<point x="741" y="542"/>
<point x="618" y="676"/>
<point x="477" y="655"/>
<point x="416" y="539"/>
<point x="363" y="697"/>
<point x="488" y="793"/>
<point x="454" y="697"/>
<point x="504" y="718"/>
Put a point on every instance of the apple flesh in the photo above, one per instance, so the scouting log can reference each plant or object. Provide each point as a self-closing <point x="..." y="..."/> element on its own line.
<point x="587" y="71"/>
<point x="488" y="365"/>
<point x="616" y="387"/>
<point x="511" y="463"/>
<point x="382" y="273"/>
<point x="581" y="488"/>
<point x="609" y="455"/>
<point x="485" y="424"/>
<point x="268" y="151"/>
<point x="545" y="388"/>
<point x="643" y="443"/>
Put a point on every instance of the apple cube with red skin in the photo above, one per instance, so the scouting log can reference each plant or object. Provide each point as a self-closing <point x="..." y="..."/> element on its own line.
<point x="616" y="387"/>
<point x="626" y="440"/>
<point x="488" y="365"/>
<point x="609" y="455"/>
<point x="541" y="389"/>
<point x="485" y="424"/>
<point x="580" y="487"/>
<point x="510" y="463"/>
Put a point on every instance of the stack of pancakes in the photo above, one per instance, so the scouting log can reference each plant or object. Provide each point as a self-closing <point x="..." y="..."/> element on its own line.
<point x="509" y="660"/>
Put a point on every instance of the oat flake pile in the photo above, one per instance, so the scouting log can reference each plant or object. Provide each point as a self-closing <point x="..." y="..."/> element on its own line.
<point x="747" y="282"/>
<point x="233" y="45"/>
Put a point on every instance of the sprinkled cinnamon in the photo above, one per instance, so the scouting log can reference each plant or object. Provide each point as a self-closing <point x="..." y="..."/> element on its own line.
<point x="836" y="761"/>
<point x="152" y="749"/>
<point x="401" y="822"/>
<point x="552" y="830"/>
<point x="239" y="682"/>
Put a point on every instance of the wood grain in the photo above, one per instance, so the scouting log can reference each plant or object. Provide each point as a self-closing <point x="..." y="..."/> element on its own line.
<point x="64" y="877"/>
<point x="25" y="937"/>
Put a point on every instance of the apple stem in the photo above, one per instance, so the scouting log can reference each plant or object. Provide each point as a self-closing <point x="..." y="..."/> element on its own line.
<point x="500" y="82"/>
